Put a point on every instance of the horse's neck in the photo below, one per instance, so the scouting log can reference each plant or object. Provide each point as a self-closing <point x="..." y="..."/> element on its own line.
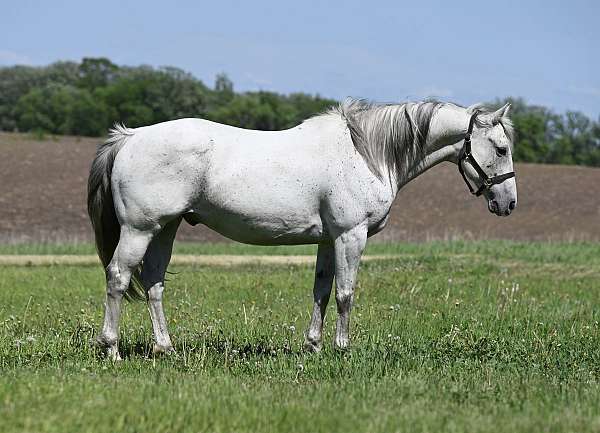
<point x="446" y="132"/>
<point x="448" y="126"/>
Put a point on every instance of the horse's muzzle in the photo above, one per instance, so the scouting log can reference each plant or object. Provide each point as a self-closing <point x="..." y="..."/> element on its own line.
<point x="494" y="208"/>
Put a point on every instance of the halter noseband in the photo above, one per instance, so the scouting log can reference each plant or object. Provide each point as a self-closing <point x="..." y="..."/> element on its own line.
<point x="466" y="155"/>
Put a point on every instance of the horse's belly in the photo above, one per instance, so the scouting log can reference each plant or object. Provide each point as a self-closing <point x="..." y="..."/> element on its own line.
<point x="284" y="228"/>
<point x="260" y="203"/>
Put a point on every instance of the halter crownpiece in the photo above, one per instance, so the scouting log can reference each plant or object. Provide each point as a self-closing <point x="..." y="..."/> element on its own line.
<point x="466" y="155"/>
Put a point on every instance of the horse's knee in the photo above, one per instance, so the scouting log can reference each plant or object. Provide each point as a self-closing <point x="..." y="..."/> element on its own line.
<point x="155" y="292"/>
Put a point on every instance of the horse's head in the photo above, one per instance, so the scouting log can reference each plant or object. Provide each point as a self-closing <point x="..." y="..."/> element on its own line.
<point x="486" y="160"/>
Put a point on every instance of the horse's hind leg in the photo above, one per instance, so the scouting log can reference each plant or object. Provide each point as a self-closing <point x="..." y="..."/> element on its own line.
<point x="156" y="261"/>
<point x="324" y="272"/>
<point x="127" y="256"/>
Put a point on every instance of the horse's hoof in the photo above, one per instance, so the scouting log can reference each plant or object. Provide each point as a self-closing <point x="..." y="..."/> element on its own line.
<point x="341" y="345"/>
<point x="115" y="357"/>
<point x="158" y="349"/>
<point x="112" y="353"/>
<point x="109" y="347"/>
<point x="312" y="346"/>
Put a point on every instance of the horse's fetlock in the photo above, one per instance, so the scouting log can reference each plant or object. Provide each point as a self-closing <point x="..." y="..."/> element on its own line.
<point x="344" y="298"/>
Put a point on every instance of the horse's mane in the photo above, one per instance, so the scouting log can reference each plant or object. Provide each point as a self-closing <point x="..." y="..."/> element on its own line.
<point x="391" y="137"/>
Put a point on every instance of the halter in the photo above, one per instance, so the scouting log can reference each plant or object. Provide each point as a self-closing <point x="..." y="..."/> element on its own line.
<point x="466" y="155"/>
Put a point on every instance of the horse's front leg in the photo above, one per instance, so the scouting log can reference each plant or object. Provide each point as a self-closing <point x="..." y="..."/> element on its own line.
<point x="348" y="250"/>
<point x="324" y="272"/>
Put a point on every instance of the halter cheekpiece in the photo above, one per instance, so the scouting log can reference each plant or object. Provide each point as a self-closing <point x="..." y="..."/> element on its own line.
<point x="466" y="155"/>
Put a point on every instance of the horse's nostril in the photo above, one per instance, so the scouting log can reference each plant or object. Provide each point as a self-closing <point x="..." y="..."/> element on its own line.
<point x="493" y="205"/>
<point x="512" y="205"/>
<point x="492" y="195"/>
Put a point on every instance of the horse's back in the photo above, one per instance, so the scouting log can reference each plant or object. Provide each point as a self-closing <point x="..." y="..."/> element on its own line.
<point x="249" y="185"/>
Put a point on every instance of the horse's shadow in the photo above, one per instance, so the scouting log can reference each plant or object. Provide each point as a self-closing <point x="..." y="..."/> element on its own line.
<point x="217" y="345"/>
<point x="136" y="349"/>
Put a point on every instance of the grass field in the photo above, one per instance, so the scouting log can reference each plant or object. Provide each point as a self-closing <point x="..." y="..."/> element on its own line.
<point x="494" y="336"/>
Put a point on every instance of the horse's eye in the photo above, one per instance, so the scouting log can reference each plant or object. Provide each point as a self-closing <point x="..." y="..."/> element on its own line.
<point x="501" y="151"/>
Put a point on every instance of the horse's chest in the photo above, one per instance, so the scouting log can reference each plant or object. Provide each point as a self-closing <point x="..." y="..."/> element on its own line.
<point x="370" y="202"/>
<point x="377" y="226"/>
<point x="378" y="213"/>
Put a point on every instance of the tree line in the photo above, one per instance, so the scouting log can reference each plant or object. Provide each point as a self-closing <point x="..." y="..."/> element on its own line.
<point x="88" y="97"/>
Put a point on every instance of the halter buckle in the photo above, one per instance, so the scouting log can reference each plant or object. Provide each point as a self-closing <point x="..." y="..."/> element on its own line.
<point x="488" y="183"/>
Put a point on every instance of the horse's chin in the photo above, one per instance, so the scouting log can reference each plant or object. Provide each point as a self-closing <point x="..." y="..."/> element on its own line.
<point x="495" y="209"/>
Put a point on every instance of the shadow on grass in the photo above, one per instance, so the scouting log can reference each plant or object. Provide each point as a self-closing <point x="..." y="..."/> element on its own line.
<point x="133" y="349"/>
<point x="214" y="345"/>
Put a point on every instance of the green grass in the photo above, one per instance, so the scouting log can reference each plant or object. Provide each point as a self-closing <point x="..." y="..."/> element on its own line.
<point x="457" y="337"/>
<point x="573" y="252"/>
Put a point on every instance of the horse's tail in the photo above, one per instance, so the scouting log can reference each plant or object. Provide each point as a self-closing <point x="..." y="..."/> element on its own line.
<point x="101" y="208"/>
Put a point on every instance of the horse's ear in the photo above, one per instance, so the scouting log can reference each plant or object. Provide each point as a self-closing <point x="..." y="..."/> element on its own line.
<point x="500" y="113"/>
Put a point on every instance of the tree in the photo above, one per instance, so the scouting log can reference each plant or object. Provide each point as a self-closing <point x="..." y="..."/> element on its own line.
<point x="267" y="110"/>
<point x="222" y="94"/>
<point x="245" y="111"/>
<point x="15" y="82"/>
<point x="96" y="72"/>
<point x="546" y="137"/>
<point x="575" y="141"/>
<point x="86" y="115"/>
<point x="308" y="105"/>
<point x="61" y="109"/>
<point x="88" y="97"/>
<point x="141" y="96"/>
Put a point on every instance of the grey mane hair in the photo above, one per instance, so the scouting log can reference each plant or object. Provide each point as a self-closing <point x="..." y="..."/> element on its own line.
<point x="392" y="137"/>
<point x="388" y="136"/>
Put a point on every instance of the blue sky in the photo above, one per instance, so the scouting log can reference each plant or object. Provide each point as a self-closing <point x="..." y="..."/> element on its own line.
<point x="547" y="52"/>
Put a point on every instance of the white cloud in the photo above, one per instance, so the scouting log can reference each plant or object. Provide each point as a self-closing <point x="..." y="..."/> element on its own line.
<point x="9" y="58"/>
<point x="585" y="90"/>
<point x="255" y="82"/>
<point x="434" y="92"/>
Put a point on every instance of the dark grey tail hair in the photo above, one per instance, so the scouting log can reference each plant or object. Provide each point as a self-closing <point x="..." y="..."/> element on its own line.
<point x="100" y="204"/>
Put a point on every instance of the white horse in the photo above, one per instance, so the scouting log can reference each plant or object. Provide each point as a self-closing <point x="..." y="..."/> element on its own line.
<point x="329" y="181"/>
